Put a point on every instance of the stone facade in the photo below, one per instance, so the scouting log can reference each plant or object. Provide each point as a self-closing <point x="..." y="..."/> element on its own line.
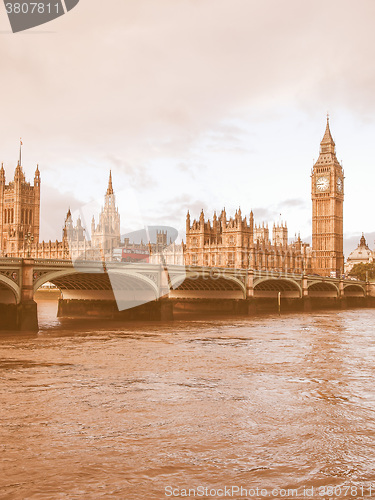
<point x="19" y="213"/>
<point x="239" y="243"/>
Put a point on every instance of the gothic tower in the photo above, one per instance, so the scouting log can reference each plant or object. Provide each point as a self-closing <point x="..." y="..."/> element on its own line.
<point x="327" y="194"/>
<point x="19" y="212"/>
<point x="106" y="236"/>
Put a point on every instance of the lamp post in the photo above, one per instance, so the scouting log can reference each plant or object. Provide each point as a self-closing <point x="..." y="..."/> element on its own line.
<point x="29" y="238"/>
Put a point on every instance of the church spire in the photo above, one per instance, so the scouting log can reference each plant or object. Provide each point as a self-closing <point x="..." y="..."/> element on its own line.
<point x="110" y="188"/>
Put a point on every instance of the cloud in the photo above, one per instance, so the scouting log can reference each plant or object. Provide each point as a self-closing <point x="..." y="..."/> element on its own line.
<point x="138" y="72"/>
<point x="54" y="207"/>
<point x="135" y="85"/>
<point x="136" y="175"/>
<point x="264" y="214"/>
<point x="292" y="203"/>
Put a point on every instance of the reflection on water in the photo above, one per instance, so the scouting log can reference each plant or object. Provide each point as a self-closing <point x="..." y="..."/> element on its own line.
<point x="101" y="410"/>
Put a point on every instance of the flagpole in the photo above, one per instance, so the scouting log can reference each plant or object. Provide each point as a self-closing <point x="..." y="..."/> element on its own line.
<point x="20" y="149"/>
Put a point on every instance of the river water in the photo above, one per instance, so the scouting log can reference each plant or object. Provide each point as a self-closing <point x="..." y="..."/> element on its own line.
<point x="93" y="410"/>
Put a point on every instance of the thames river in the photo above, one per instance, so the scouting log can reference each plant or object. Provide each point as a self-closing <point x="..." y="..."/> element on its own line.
<point x="98" y="410"/>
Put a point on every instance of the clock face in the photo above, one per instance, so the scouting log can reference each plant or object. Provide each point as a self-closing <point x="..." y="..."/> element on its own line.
<point x="322" y="183"/>
<point x="339" y="184"/>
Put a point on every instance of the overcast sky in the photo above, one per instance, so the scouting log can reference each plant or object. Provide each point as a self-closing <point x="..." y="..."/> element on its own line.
<point x="193" y="104"/>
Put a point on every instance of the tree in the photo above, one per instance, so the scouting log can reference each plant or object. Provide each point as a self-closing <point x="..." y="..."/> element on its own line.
<point x="363" y="271"/>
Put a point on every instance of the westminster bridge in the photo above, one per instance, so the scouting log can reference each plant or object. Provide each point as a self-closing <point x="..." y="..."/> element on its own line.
<point x="116" y="289"/>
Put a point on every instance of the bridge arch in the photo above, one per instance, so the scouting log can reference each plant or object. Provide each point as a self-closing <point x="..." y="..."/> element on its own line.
<point x="269" y="287"/>
<point x="323" y="289"/>
<point x="9" y="290"/>
<point x="354" y="290"/>
<point x="200" y="284"/>
<point x="75" y="283"/>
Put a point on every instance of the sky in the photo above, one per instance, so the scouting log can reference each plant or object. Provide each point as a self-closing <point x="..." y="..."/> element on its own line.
<point x="193" y="104"/>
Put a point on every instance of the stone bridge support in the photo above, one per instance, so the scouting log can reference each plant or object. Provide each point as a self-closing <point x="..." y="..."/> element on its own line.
<point x="27" y="313"/>
<point x="307" y="307"/>
<point x="343" y="302"/>
<point x="21" y="312"/>
<point x="251" y="306"/>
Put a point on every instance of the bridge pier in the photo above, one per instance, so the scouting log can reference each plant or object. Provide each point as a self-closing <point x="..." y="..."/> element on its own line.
<point x="27" y="311"/>
<point x="307" y="305"/>
<point x="22" y="316"/>
<point x="251" y="306"/>
<point x="343" y="302"/>
<point x="27" y="316"/>
<point x="166" y="309"/>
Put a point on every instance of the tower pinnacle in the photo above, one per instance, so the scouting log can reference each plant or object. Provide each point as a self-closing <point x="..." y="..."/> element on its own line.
<point x="110" y="187"/>
<point x="20" y="160"/>
<point x="327" y="144"/>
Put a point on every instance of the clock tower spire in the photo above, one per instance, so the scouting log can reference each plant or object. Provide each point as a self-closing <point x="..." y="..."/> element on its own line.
<point x="327" y="194"/>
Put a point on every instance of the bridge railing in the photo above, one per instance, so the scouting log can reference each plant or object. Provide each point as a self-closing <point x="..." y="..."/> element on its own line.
<point x="10" y="260"/>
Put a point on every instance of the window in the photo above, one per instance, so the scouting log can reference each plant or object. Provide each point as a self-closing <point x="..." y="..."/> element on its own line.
<point x="231" y="259"/>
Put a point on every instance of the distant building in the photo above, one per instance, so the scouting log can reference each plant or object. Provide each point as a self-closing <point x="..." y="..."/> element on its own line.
<point x="361" y="255"/>
<point x="106" y="241"/>
<point x="159" y="252"/>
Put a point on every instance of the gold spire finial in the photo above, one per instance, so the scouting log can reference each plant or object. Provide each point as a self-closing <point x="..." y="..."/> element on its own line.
<point x="110" y="187"/>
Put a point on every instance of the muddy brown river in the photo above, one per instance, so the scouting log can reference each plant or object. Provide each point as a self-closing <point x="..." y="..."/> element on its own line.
<point x="265" y="407"/>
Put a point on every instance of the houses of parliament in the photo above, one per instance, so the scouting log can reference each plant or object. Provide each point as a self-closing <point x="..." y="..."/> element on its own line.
<point x="234" y="242"/>
<point x="240" y="243"/>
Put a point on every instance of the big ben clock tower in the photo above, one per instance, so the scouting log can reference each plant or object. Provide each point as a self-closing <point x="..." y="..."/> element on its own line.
<point x="327" y="194"/>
